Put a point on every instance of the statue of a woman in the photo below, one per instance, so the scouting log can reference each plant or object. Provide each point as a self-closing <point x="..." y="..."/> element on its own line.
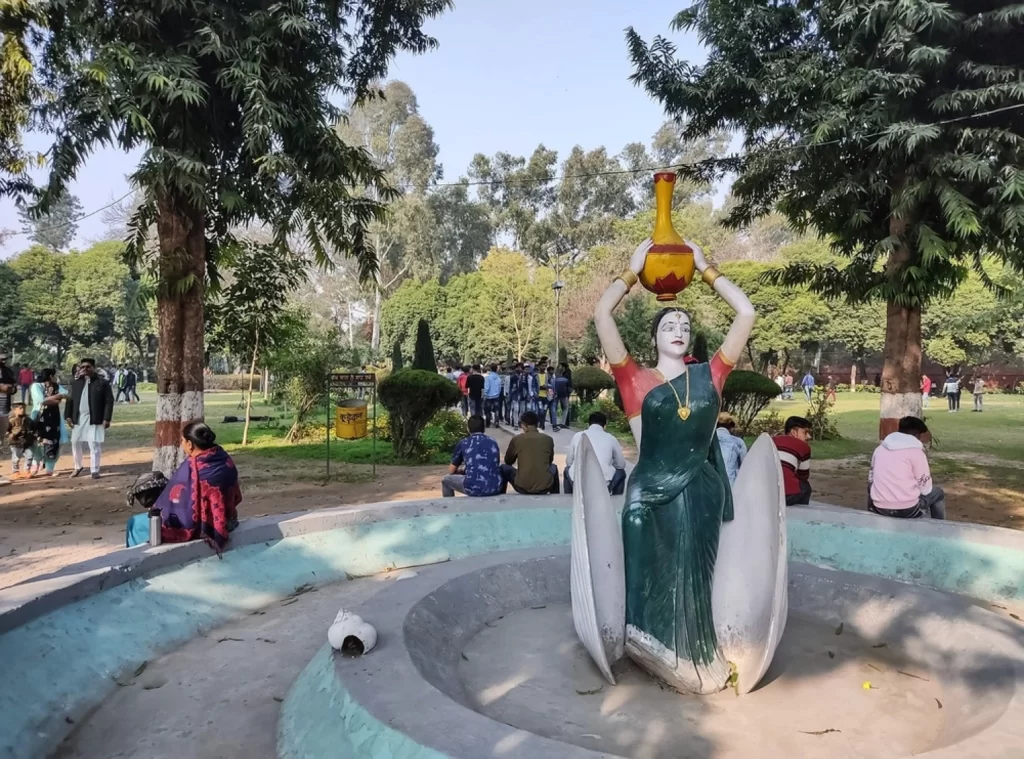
<point x="676" y="504"/>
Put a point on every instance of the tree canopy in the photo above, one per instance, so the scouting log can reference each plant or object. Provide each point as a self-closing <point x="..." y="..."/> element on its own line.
<point x="894" y="128"/>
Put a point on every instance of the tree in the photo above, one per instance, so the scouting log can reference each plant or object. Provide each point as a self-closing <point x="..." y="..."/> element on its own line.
<point x="230" y="107"/>
<point x="423" y="356"/>
<point x="10" y="308"/>
<point x="516" y="190"/>
<point x="303" y="360"/>
<point x="247" y="314"/>
<point x="396" y="357"/>
<point x="54" y="229"/>
<point x="893" y="127"/>
<point x="412" y="397"/>
<point x="401" y="146"/>
<point x="514" y="310"/>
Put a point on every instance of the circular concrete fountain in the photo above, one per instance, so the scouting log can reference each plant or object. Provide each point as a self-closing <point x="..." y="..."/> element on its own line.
<point x="475" y="655"/>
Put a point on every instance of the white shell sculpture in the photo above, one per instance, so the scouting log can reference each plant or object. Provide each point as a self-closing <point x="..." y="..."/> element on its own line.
<point x="749" y="597"/>
<point x="597" y="575"/>
<point x="351" y="635"/>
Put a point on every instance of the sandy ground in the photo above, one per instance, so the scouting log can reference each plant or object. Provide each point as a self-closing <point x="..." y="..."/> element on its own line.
<point x="48" y="523"/>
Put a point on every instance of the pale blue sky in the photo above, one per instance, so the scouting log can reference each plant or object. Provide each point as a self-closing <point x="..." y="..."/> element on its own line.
<point x="508" y="75"/>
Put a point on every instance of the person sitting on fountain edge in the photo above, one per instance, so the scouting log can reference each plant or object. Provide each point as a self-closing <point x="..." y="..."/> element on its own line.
<point x="900" y="481"/>
<point x="608" y="450"/>
<point x="795" y="457"/>
<point x="474" y="469"/>
<point x="535" y="452"/>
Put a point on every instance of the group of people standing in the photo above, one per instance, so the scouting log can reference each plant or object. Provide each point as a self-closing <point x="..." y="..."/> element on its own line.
<point x="504" y="393"/>
<point x="35" y="429"/>
<point x="952" y="388"/>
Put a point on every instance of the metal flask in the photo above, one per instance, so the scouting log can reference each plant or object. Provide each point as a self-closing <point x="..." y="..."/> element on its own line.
<point x="154" y="527"/>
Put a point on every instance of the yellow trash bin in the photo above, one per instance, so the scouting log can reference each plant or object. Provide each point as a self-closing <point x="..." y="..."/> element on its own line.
<point x="350" y="419"/>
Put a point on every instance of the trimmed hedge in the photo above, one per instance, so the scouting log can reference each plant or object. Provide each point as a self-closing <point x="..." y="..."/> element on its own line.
<point x="746" y="394"/>
<point x="590" y="381"/>
<point x="230" y="382"/>
<point x="412" y="397"/>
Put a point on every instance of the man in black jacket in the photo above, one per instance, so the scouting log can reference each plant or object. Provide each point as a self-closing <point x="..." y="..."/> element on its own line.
<point x="88" y="413"/>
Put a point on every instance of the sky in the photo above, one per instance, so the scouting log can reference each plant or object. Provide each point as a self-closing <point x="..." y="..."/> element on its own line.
<point x="507" y="76"/>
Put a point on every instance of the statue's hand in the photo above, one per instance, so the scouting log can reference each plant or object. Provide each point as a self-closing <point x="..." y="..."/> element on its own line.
<point x="699" y="260"/>
<point x="636" y="263"/>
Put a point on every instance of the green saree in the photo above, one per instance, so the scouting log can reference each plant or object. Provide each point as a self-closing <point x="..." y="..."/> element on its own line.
<point x="677" y="498"/>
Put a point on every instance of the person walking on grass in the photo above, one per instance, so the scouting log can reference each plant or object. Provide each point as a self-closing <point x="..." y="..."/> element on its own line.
<point x="474" y="468"/>
<point x="25" y="379"/>
<point x="951" y="389"/>
<point x="88" y="413"/>
<point x="830" y="389"/>
<point x="807" y="383"/>
<point x="926" y="390"/>
<point x="131" y="383"/>
<point x="979" y="394"/>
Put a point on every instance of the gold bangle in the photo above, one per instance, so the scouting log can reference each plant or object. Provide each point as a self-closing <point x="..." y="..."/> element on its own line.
<point x="710" y="275"/>
<point x="629" y="278"/>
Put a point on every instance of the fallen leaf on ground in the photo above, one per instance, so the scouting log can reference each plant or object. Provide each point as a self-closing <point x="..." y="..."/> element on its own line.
<point x="279" y="699"/>
<point x="881" y="645"/>
<point x="874" y="667"/>
<point x="831" y="655"/>
<point x="584" y="692"/>
<point x="866" y="685"/>
<point x="939" y="703"/>
<point x="237" y="640"/>
<point x="820" y="732"/>
<point x="141" y="668"/>
<point x="1014" y="616"/>
<point x="911" y="674"/>
<point x="267" y="640"/>
<point x="839" y="630"/>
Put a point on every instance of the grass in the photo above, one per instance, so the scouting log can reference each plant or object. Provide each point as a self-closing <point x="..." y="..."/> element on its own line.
<point x="133" y="426"/>
<point x="998" y="431"/>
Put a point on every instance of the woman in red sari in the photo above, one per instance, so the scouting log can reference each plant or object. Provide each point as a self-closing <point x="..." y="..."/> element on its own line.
<point x="200" y="500"/>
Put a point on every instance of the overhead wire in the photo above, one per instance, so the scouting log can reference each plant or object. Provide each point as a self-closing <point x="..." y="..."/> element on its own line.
<point x="590" y="175"/>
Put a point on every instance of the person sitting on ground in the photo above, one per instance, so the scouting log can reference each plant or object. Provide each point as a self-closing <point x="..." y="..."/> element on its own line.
<point x="900" y="481"/>
<point x="608" y="450"/>
<point x="535" y="453"/>
<point x="795" y="456"/>
<point x="734" y="450"/>
<point x="22" y="441"/>
<point x="474" y="470"/>
<point x="200" y="500"/>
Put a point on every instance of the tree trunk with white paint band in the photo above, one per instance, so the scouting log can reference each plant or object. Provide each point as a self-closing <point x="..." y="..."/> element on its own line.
<point x="901" y="366"/>
<point x="180" y="357"/>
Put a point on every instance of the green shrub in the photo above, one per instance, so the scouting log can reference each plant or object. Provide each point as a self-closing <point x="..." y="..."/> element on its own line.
<point x="867" y="388"/>
<point x="617" y="421"/>
<point x="423" y="355"/>
<point x="841" y="388"/>
<point x="747" y="394"/>
<point x="819" y="414"/>
<point x="770" y="423"/>
<point x="412" y="397"/>
<point x="444" y="430"/>
<point x="230" y="382"/>
<point x="396" y="357"/>
<point x="590" y="381"/>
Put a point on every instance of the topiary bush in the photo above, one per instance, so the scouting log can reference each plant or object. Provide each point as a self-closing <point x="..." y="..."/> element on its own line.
<point x="412" y="397"/>
<point x="747" y="394"/>
<point x="423" y="355"/>
<point x="590" y="381"/>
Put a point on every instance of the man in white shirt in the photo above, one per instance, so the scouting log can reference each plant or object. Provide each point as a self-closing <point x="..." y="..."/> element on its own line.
<point x="609" y="454"/>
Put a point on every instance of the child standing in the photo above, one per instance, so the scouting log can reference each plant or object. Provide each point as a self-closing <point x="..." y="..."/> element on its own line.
<point x="21" y="440"/>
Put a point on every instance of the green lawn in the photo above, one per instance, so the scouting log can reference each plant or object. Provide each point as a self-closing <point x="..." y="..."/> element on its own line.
<point x="133" y="426"/>
<point x="998" y="431"/>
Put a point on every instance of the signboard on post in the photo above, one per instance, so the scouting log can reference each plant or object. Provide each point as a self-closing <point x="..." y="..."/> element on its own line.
<point x="350" y="414"/>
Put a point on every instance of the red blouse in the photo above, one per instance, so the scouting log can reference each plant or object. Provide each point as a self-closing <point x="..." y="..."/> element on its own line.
<point x="635" y="381"/>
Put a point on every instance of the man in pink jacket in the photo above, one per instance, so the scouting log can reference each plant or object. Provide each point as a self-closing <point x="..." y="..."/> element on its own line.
<point x="900" y="482"/>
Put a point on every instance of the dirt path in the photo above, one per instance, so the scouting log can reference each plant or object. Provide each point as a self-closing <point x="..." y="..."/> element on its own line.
<point x="49" y="523"/>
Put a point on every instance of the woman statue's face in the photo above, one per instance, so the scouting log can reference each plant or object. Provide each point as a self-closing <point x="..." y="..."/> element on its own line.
<point x="673" y="336"/>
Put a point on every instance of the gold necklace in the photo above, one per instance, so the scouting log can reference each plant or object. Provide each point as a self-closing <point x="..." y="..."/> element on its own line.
<point x="684" y="409"/>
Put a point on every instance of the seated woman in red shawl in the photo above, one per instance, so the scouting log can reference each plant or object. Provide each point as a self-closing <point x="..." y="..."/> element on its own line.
<point x="200" y="500"/>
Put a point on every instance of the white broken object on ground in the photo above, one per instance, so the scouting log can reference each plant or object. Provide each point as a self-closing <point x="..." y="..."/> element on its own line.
<point x="351" y="635"/>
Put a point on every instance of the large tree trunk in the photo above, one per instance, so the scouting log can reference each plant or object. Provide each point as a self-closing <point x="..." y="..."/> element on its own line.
<point x="179" y="361"/>
<point x="901" y="367"/>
